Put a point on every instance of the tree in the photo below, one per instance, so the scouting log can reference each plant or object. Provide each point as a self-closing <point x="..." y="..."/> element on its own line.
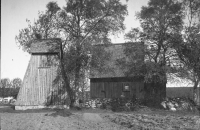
<point x="188" y="48"/>
<point x="16" y="83"/>
<point x="10" y="87"/>
<point x="5" y="85"/>
<point x="80" y="25"/>
<point x="134" y="35"/>
<point x="43" y="28"/>
<point x="160" y="21"/>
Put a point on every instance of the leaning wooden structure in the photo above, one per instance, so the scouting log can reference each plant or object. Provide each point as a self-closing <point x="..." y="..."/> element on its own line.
<point x="42" y="86"/>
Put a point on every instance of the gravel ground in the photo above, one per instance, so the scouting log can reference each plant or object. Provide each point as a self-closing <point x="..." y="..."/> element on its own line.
<point x="96" y="120"/>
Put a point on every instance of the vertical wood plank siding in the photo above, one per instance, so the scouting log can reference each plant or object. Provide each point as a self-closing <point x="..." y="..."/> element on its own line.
<point x="39" y="86"/>
<point x="115" y="89"/>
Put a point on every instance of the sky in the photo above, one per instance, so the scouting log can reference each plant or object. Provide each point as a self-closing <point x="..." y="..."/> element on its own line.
<point x="14" y="13"/>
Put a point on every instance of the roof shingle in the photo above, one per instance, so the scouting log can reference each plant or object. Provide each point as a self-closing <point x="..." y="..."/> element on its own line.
<point x="117" y="52"/>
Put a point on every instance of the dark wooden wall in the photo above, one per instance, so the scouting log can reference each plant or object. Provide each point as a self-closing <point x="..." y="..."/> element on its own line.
<point x="113" y="88"/>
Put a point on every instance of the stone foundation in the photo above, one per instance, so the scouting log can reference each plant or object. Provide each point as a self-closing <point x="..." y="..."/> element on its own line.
<point x="41" y="107"/>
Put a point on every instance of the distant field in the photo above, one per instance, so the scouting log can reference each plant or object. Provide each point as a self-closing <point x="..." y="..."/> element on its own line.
<point x="180" y="91"/>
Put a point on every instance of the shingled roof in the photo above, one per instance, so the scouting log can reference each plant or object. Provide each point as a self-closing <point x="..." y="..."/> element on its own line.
<point x="45" y="46"/>
<point x="117" y="51"/>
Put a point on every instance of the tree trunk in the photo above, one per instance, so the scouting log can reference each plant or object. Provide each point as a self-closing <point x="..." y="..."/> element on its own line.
<point x="77" y="79"/>
<point x="65" y="78"/>
<point x="66" y="83"/>
<point x="195" y="93"/>
<point x="77" y="70"/>
<point x="163" y="88"/>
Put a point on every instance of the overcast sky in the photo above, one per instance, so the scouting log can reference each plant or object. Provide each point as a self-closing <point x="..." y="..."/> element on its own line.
<point x="13" y="18"/>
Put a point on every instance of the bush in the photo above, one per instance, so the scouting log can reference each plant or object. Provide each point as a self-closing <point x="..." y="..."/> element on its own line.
<point x="152" y="102"/>
<point x="9" y="92"/>
<point x="125" y="104"/>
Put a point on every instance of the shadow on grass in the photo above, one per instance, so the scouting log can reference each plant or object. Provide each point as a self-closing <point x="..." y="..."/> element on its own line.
<point x="48" y="111"/>
<point x="12" y="110"/>
<point x="60" y="112"/>
<point x="69" y="112"/>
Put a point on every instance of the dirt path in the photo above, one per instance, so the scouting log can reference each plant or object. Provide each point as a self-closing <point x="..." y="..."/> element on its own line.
<point x="56" y="121"/>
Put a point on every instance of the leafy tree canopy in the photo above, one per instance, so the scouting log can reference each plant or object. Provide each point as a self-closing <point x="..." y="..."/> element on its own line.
<point x="188" y="47"/>
<point x="160" y="20"/>
<point x="16" y="83"/>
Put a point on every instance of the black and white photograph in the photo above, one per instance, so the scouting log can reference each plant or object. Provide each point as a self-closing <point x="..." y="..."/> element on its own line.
<point x="100" y="65"/>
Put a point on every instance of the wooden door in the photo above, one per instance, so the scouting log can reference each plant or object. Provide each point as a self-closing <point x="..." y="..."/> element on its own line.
<point x="45" y="80"/>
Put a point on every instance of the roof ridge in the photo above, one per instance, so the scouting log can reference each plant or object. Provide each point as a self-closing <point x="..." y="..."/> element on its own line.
<point x="125" y="43"/>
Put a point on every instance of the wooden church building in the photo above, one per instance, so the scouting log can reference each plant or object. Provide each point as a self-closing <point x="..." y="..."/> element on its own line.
<point x="42" y="85"/>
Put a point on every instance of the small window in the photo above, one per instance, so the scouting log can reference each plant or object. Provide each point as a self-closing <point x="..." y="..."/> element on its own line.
<point x="48" y="61"/>
<point x="45" y="61"/>
<point x="126" y="88"/>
